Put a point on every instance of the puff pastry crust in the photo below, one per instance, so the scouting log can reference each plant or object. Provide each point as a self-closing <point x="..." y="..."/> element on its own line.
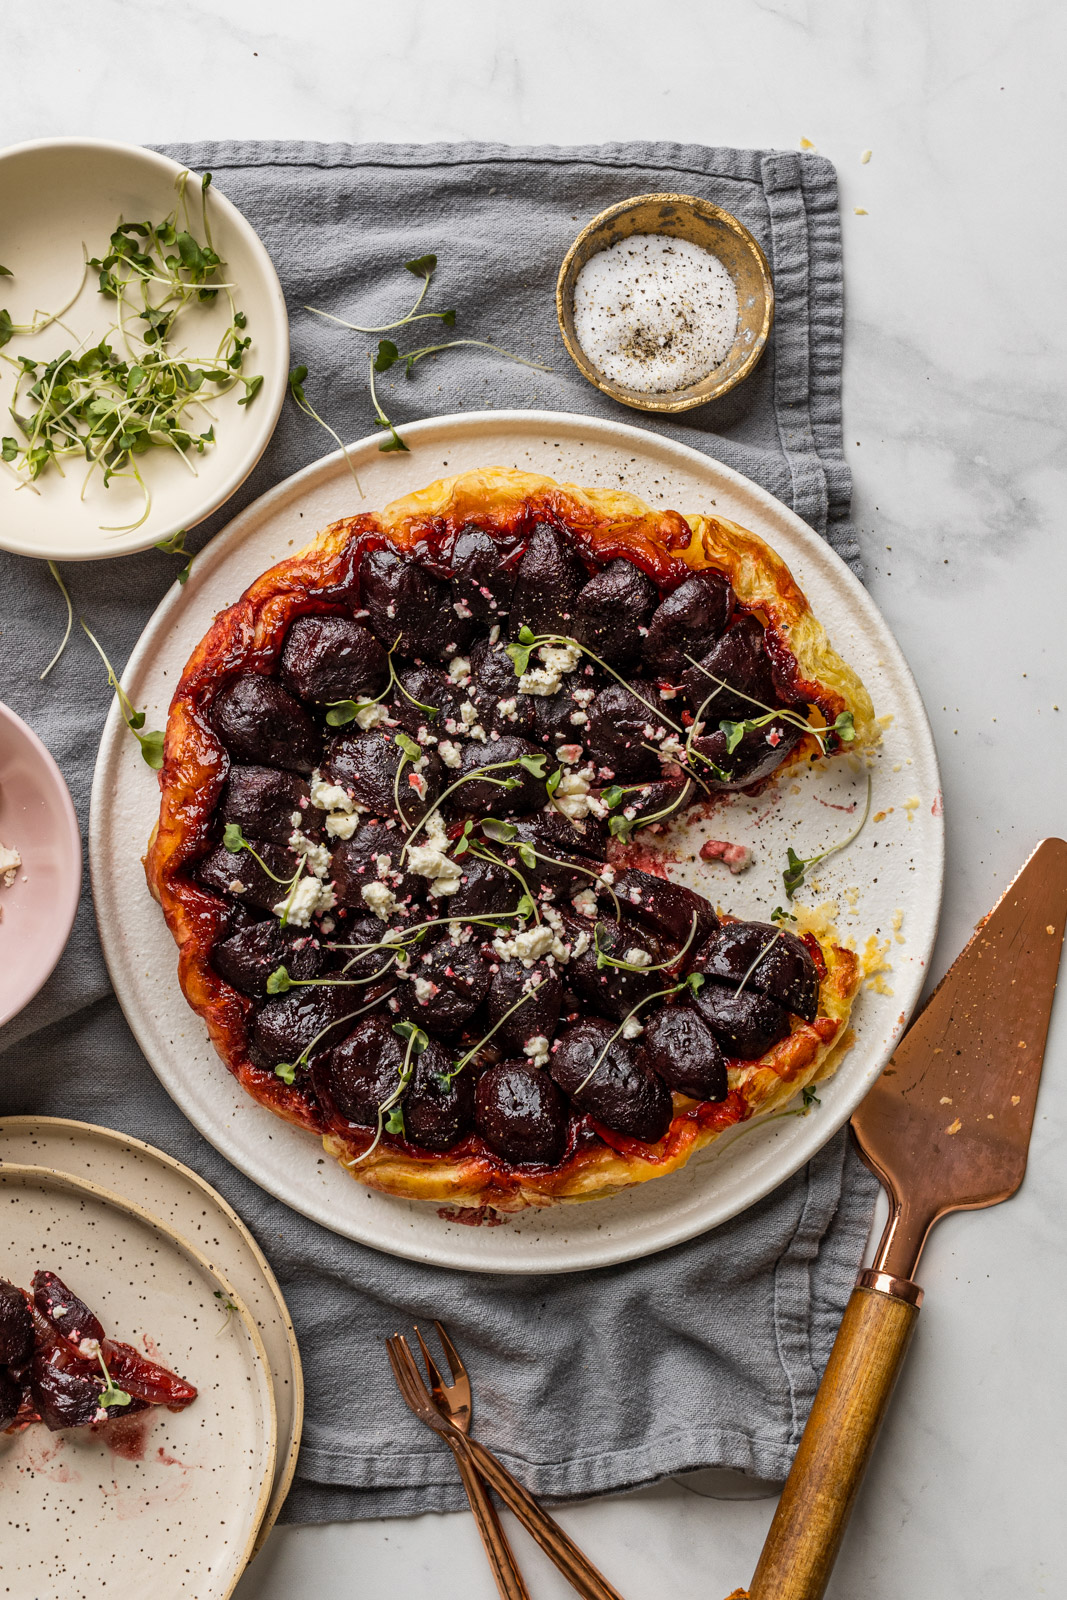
<point x="322" y="578"/>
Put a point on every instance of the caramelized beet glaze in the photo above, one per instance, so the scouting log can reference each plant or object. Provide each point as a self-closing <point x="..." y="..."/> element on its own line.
<point x="283" y="704"/>
<point x="53" y="1351"/>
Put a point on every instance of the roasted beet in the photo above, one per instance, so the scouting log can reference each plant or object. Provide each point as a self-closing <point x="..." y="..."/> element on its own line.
<point x="363" y="1072"/>
<point x="521" y="1114"/>
<point x="664" y="797"/>
<point x="556" y="834"/>
<point x="260" y="722"/>
<point x="145" y="1380"/>
<point x="493" y="680"/>
<point x="563" y="871"/>
<point x="611" y="611"/>
<point x="264" y="800"/>
<point x="481" y="584"/>
<point x="62" y="1397"/>
<point x="736" y="672"/>
<point x="332" y="658"/>
<point x="553" y="714"/>
<point x="610" y="990"/>
<point x="604" y="1076"/>
<point x="668" y="909"/>
<point x="284" y="1028"/>
<point x="404" y="603"/>
<point x="16" y="1326"/>
<point x="238" y="873"/>
<point x="483" y="889"/>
<point x="484" y="797"/>
<point x="547" y="583"/>
<point x="680" y="1048"/>
<point x="247" y="958"/>
<point x="10" y="1400"/>
<point x="366" y="764"/>
<point x="769" y="960"/>
<point x="426" y="699"/>
<point x="448" y="983"/>
<point x="68" y="1315"/>
<point x="621" y="731"/>
<point x="354" y="950"/>
<point x="759" y="753"/>
<point x="372" y="856"/>
<point x="687" y="623"/>
<point x="539" y="989"/>
<point x="746" y="1024"/>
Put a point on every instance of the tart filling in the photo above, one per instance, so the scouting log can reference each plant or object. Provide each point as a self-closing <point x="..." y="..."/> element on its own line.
<point x="403" y="781"/>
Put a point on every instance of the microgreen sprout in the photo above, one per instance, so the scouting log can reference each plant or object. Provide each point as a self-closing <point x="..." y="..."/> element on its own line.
<point x="445" y="1078"/>
<point x="694" y="982"/>
<point x="796" y="866"/>
<point x="235" y="841"/>
<point x="279" y="981"/>
<point x="345" y="711"/>
<point x="54" y="570"/>
<point x="843" y="727"/>
<point x="111" y="1394"/>
<point x="389" y="1119"/>
<point x="387" y="354"/>
<point x="605" y="959"/>
<point x="767" y="948"/>
<point x="109" y="407"/>
<point x="534" y="764"/>
<point x="175" y="546"/>
<point x="780" y="916"/>
<point x="527" y="906"/>
<point x="151" y="743"/>
<point x="287" y="1070"/>
<point x="621" y="827"/>
<point x="227" y="1305"/>
<point x="507" y="833"/>
<point x="528" y="641"/>
<point x="423" y="267"/>
<point x="296" y="389"/>
<point x="809" y="1096"/>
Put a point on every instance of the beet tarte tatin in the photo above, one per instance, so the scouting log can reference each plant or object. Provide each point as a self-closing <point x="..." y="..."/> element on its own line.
<point x="399" y="782"/>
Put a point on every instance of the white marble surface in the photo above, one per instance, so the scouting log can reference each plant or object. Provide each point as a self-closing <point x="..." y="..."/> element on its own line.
<point x="954" y="404"/>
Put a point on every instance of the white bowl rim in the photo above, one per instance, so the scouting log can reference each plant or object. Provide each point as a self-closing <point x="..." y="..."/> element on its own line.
<point x="67" y="907"/>
<point x="274" y="385"/>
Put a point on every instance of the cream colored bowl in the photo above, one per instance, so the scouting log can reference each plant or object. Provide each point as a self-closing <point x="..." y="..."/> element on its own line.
<point x="57" y="195"/>
<point x="682" y="216"/>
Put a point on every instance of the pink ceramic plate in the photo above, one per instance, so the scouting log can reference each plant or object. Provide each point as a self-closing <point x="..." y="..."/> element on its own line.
<point x="37" y="819"/>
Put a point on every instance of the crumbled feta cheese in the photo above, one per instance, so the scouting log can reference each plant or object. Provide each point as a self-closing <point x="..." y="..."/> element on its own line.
<point x="580" y="945"/>
<point x="316" y="855"/>
<point x="631" y="1028"/>
<point x="508" y="708"/>
<point x="341" y="824"/>
<point x="671" y="749"/>
<point x="583" y="697"/>
<point x="585" y="903"/>
<point x="450" y="753"/>
<point x="304" y="901"/>
<point x="569" y="754"/>
<point x="461" y="608"/>
<point x="737" y="857"/>
<point x="468" y="714"/>
<point x="537" y="1050"/>
<point x="494" y="633"/>
<point x="431" y="859"/>
<point x="459" y="671"/>
<point x="380" y="898"/>
<point x="424" y="990"/>
<point x="370" y="716"/>
<point x="529" y="945"/>
<point x="572" y="797"/>
<point x="558" y="659"/>
<point x="578" y="718"/>
<point x="326" y="796"/>
<point x="636" y="957"/>
<point x="235" y="886"/>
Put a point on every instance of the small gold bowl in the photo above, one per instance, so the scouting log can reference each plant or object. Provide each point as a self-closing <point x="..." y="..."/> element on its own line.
<point x="683" y="216"/>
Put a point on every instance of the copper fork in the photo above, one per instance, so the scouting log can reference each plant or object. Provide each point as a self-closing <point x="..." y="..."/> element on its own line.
<point x="447" y="1412"/>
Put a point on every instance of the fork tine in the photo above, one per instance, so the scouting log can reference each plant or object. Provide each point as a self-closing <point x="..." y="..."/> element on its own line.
<point x="455" y="1364"/>
<point x="436" y="1380"/>
<point x="409" y="1380"/>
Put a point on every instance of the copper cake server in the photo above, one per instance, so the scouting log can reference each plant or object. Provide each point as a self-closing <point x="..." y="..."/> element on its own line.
<point x="945" y="1128"/>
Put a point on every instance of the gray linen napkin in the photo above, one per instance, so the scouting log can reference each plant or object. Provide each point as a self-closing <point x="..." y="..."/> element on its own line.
<point x="704" y="1355"/>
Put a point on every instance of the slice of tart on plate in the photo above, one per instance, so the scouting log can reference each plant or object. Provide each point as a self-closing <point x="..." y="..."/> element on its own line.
<point x="412" y="786"/>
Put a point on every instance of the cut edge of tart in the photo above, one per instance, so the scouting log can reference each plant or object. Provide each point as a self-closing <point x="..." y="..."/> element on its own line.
<point x="245" y="644"/>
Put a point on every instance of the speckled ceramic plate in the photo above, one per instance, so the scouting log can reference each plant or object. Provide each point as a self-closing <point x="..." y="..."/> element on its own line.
<point x="181" y="1198"/>
<point x="158" y="1504"/>
<point x="883" y="893"/>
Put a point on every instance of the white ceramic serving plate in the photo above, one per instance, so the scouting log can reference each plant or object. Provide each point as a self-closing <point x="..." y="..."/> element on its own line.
<point x="37" y="819"/>
<point x="886" y="886"/>
<point x="161" y="1503"/>
<point x="57" y="195"/>
<point x="182" y="1200"/>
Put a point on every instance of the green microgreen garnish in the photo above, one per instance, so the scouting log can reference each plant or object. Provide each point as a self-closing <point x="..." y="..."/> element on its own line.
<point x="796" y="866"/>
<point x="389" y="1119"/>
<point x="110" y="1395"/>
<point x="694" y="982"/>
<point x="445" y="1078"/>
<point x="235" y="841"/>
<point x="151" y="743"/>
<point x="227" y="1305"/>
<point x="621" y="827"/>
<point x="423" y="267"/>
<point x="296" y="389"/>
<point x="387" y="353"/>
<point x="767" y="948"/>
<point x="780" y="915"/>
<point x="809" y="1096"/>
<point x="528" y="641"/>
<point x="843" y="726"/>
<point x="175" y="546"/>
<point x="345" y="711"/>
<point x="605" y="959"/>
<point x="54" y="570"/>
<point x="109" y="407"/>
<point x="533" y="764"/>
<point x="287" y="1070"/>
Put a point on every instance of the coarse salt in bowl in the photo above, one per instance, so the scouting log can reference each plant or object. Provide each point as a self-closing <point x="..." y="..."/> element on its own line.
<point x="665" y="302"/>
